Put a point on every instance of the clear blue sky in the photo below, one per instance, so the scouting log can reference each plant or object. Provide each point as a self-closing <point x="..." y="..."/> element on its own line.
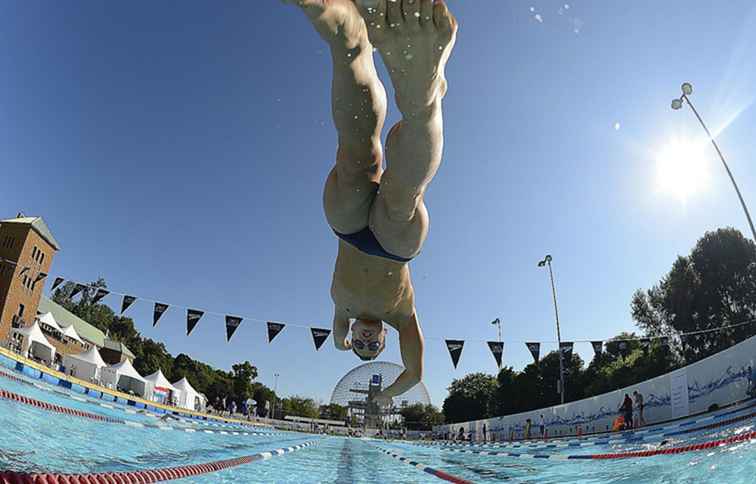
<point x="178" y="149"/>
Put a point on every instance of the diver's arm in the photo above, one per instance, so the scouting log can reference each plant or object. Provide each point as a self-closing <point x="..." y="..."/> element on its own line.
<point x="341" y="330"/>
<point x="411" y="346"/>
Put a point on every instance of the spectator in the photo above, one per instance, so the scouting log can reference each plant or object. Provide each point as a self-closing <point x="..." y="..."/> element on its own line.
<point x="639" y="420"/>
<point x="627" y="411"/>
<point x="484" y="433"/>
<point x="542" y="426"/>
<point x="528" y="424"/>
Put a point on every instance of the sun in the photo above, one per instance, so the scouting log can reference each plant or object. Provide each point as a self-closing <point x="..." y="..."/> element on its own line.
<point x="681" y="168"/>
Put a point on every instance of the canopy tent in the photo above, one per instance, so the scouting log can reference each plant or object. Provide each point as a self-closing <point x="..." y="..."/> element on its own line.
<point x="48" y="319"/>
<point x="86" y="366"/>
<point x="70" y="332"/>
<point x="124" y="377"/>
<point x="188" y="397"/>
<point x="34" y="344"/>
<point x="163" y="391"/>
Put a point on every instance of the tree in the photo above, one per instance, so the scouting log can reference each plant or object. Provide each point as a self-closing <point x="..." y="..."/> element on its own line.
<point x="714" y="286"/>
<point x="470" y="398"/>
<point x="300" y="407"/>
<point x="421" y="417"/>
<point x="333" y="411"/>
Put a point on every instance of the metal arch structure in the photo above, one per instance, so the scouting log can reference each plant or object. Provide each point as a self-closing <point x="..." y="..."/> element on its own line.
<point x="359" y="379"/>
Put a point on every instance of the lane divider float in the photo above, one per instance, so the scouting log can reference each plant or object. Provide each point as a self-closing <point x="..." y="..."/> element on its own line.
<point x="146" y="475"/>
<point x="619" y="455"/>
<point x="434" y="472"/>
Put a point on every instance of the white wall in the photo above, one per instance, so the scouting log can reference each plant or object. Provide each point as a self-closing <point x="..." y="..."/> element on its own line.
<point x="720" y="379"/>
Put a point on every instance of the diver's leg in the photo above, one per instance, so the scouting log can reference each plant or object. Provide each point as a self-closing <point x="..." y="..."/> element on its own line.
<point x="415" y="39"/>
<point x="359" y="110"/>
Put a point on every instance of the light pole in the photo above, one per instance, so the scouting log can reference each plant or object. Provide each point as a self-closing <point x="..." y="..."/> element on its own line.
<point x="677" y="103"/>
<point x="497" y="322"/>
<point x="275" y="395"/>
<point x="547" y="262"/>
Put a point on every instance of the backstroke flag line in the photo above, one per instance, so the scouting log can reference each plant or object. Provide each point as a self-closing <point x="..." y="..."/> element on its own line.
<point x="99" y="295"/>
<point x="455" y="349"/>
<point x="192" y="318"/>
<point x="535" y="350"/>
<point x="127" y="301"/>
<point x="319" y="335"/>
<point x="57" y="282"/>
<point x="598" y="347"/>
<point x="160" y="308"/>
<point x="497" y="349"/>
<point x="274" y="329"/>
<point x="232" y="323"/>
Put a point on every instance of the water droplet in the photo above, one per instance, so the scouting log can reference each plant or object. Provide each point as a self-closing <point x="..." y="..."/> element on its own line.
<point x="390" y="274"/>
<point x="538" y="18"/>
<point x="358" y="189"/>
<point x="532" y="9"/>
<point x="417" y="14"/>
<point x="408" y="56"/>
<point x="356" y="117"/>
<point x="617" y="126"/>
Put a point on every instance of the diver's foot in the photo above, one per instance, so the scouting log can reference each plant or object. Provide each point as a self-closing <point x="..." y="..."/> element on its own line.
<point x="415" y="39"/>
<point x="337" y="21"/>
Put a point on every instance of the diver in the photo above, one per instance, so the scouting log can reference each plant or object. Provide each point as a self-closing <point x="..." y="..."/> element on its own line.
<point x="378" y="214"/>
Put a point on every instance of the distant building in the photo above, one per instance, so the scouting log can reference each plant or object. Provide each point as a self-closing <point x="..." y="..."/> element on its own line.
<point x="27" y="248"/>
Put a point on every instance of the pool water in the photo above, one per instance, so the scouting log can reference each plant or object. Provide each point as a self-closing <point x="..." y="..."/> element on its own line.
<point x="37" y="440"/>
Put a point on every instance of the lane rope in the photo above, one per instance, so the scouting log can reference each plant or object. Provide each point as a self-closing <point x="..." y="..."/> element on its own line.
<point x="15" y="397"/>
<point x="434" y="472"/>
<point x="630" y="440"/>
<point x="617" y="455"/>
<point x="146" y="475"/>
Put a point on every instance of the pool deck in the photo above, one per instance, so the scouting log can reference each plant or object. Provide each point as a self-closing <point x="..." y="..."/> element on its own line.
<point x="48" y="375"/>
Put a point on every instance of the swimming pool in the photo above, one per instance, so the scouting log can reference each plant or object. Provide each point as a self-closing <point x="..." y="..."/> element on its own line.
<point x="92" y="438"/>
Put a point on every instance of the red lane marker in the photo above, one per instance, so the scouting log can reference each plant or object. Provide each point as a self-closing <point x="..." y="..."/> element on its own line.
<point x="679" y="450"/>
<point x="137" y="477"/>
<point x="56" y="408"/>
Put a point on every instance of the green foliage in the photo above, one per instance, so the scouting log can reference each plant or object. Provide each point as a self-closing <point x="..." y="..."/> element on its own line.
<point x="712" y="287"/>
<point x="470" y="398"/>
<point x="421" y="417"/>
<point x="333" y="411"/>
<point x="150" y="355"/>
<point x="300" y="407"/>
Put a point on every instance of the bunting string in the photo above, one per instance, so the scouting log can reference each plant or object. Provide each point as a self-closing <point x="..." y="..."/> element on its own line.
<point x="319" y="335"/>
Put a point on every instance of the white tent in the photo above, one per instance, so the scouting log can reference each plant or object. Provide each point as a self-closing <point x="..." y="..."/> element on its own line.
<point x="163" y="390"/>
<point x="70" y="331"/>
<point x="124" y="377"/>
<point x="85" y="365"/>
<point x="49" y="320"/>
<point x="188" y="397"/>
<point x="34" y="344"/>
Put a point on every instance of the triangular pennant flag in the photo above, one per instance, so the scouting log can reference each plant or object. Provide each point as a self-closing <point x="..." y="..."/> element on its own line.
<point x="76" y="290"/>
<point x="497" y="349"/>
<point x="535" y="350"/>
<point x="25" y="270"/>
<point x="40" y="276"/>
<point x="232" y="323"/>
<point x="127" y="301"/>
<point x="57" y="282"/>
<point x="645" y="344"/>
<point x="455" y="349"/>
<point x="566" y="348"/>
<point x="160" y="308"/>
<point x="274" y="329"/>
<point x="192" y="318"/>
<point x="319" y="336"/>
<point x="598" y="347"/>
<point x="101" y="293"/>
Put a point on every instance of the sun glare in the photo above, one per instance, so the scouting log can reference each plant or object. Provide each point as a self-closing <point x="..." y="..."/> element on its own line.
<point x="681" y="168"/>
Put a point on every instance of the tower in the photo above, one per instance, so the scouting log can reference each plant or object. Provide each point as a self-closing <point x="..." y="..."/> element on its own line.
<point x="27" y="248"/>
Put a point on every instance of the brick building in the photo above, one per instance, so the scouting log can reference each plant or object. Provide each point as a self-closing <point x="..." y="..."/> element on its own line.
<point x="27" y="248"/>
